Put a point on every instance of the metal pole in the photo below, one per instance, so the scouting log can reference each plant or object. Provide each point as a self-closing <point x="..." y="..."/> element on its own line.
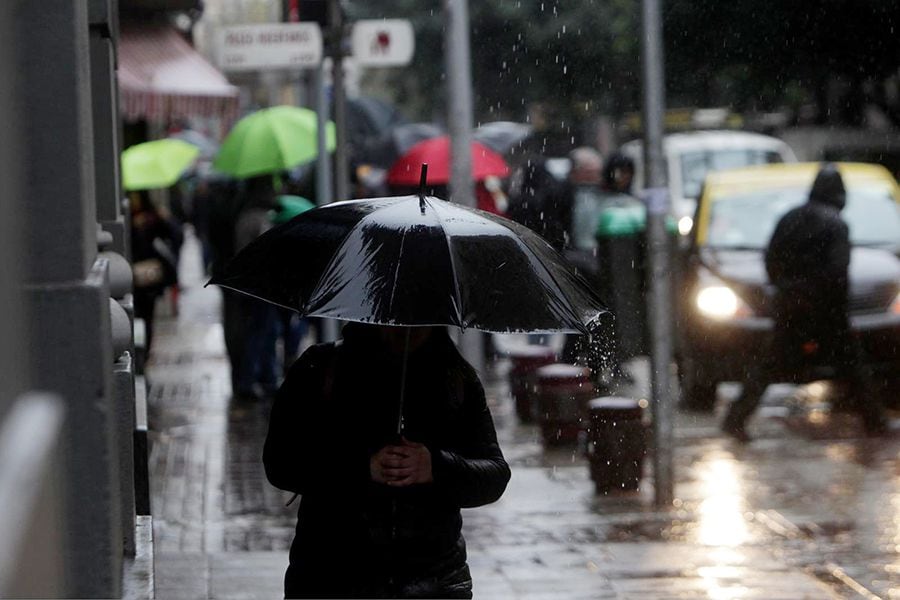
<point x="323" y="164"/>
<point x="459" y="124"/>
<point x="341" y="174"/>
<point x="459" y="101"/>
<point x="324" y="193"/>
<point x="659" y="300"/>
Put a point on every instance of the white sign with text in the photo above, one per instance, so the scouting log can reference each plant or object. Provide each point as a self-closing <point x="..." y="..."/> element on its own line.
<point x="270" y="46"/>
<point x="383" y="42"/>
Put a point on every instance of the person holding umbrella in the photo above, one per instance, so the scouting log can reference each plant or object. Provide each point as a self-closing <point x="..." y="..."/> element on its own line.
<point x="386" y="434"/>
<point x="380" y="514"/>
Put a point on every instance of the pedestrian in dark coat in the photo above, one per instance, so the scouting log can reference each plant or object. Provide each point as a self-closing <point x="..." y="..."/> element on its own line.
<point x="379" y="515"/>
<point x="807" y="261"/>
<point x="155" y="238"/>
<point x="541" y="202"/>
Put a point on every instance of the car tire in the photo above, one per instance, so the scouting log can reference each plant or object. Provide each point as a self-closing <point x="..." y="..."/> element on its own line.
<point x="698" y="394"/>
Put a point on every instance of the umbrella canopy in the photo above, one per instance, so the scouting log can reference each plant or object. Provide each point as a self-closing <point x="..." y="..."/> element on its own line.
<point x="369" y="117"/>
<point x="156" y="164"/>
<point x="288" y="206"/>
<point x="501" y="136"/>
<point x="393" y="144"/>
<point x="435" y="153"/>
<point x="413" y="260"/>
<point x="270" y="140"/>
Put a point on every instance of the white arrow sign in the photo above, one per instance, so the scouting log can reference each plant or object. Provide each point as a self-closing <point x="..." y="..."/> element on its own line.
<point x="383" y="42"/>
<point x="270" y="46"/>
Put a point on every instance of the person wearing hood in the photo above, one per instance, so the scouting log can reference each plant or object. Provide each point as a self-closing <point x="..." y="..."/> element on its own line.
<point x="807" y="260"/>
<point x="379" y="514"/>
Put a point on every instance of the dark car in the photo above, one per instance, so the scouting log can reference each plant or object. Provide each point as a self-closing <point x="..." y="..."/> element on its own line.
<point x="724" y="316"/>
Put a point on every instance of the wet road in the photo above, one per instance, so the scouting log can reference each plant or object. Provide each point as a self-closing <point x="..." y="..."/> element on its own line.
<point x="808" y="510"/>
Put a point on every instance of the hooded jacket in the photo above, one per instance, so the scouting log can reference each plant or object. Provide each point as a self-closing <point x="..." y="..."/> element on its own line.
<point x="808" y="256"/>
<point x="357" y="538"/>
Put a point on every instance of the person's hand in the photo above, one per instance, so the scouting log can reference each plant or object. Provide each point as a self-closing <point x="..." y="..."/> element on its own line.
<point x="401" y="465"/>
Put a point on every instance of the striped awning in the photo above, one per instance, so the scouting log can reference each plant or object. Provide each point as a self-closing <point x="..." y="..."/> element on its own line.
<point x="162" y="78"/>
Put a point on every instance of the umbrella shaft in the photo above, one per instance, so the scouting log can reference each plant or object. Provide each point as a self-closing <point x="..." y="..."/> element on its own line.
<point x="403" y="384"/>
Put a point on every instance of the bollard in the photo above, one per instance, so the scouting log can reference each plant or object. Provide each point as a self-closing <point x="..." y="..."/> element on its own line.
<point x="617" y="443"/>
<point x="525" y="361"/>
<point x="563" y="392"/>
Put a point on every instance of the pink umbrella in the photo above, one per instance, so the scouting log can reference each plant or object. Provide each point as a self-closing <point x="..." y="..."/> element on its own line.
<point x="436" y="154"/>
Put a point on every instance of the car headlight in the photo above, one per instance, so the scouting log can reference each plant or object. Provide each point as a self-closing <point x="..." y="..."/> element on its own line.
<point x="721" y="303"/>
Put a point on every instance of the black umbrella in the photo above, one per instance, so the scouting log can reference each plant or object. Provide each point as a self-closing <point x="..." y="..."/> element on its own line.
<point x="394" y="143"/>
<point x="414" y="261"/>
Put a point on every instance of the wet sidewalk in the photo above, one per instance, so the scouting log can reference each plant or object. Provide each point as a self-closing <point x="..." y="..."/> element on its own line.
<point x="808" y="510"/>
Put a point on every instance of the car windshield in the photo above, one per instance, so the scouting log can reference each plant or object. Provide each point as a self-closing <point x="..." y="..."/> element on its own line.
<point x="695" y="165"/>
<point x="748" y="220"/>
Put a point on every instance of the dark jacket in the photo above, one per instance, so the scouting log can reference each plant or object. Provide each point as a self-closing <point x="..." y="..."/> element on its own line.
<point x="542" y="203"/>
<point x="808" y="259"/>
<point x="357" y="538"/>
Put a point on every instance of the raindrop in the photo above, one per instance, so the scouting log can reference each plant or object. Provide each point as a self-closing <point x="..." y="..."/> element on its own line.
<point x="565" y="69"/>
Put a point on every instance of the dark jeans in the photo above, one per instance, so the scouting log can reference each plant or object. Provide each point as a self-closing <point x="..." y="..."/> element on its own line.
<point x="258" y="364"/>
<point x="291" y="329"/>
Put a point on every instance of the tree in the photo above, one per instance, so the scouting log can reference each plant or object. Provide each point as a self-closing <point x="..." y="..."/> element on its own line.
<point x="838" y="55"/>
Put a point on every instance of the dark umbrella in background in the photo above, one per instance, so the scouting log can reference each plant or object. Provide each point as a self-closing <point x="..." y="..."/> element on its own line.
<point x="385" y="150"/>
<point x="415" y="261"/>
<point x="369" y="122"/>
<point x="502" y="136"/>
<point x="369" y="117"/>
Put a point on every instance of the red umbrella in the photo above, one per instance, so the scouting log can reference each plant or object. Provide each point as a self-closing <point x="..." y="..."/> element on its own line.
<point x="436" y="154"/>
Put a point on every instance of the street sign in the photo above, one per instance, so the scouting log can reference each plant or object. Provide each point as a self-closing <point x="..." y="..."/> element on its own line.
<point x="383" y="42"/>
<point x="270" y="46"/>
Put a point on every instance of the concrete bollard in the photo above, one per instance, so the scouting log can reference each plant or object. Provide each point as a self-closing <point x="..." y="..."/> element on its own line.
<point x="617" y="443"/>
<point x="563" y="392"/>
<point x="525" y="361"/>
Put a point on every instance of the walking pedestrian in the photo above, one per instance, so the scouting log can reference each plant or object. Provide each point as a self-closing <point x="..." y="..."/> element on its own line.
<point x="807" y="260"/>
<point x="257" y="375"/>
<point x="155" y="237"/>
<point x="379" y="515"/>
<point x="539" y="201"/>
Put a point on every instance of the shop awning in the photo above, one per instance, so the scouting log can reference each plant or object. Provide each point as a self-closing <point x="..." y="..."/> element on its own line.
<point x="161" y="78"/>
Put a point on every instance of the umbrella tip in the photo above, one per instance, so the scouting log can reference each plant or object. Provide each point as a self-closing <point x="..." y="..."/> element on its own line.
<point x="422" y="179"/>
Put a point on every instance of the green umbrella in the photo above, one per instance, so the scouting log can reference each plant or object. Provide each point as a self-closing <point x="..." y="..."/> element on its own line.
<point x="270" y="140"/>
<point x="289" y="206"/>
<point x="156" y="164"/>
